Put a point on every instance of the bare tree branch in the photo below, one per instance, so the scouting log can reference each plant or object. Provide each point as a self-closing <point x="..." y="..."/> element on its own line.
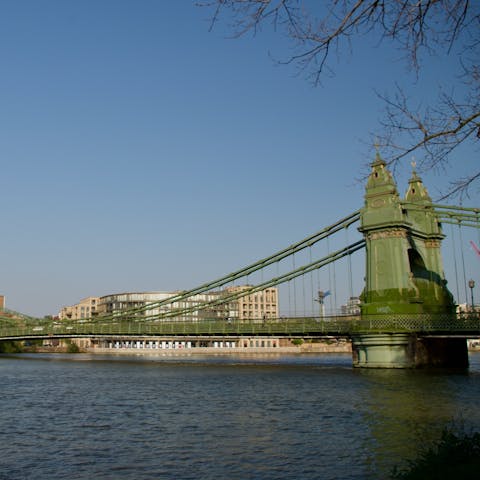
<point x="416" y="27"/>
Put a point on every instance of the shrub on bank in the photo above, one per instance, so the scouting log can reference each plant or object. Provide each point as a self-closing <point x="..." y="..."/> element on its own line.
<point x="455" y="455"/>
<point x="10" y="347"/>
<point x="72" y="347"/>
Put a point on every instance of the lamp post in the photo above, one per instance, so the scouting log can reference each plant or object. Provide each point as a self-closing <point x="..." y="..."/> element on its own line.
<point x="321" y="297"/>
<point x="321" y="301"/>
<point x="471" y="284"/>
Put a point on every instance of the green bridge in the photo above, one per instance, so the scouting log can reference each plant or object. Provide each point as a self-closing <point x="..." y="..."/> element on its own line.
<point x="408" y="317"/>
<point x="306" y="327"/>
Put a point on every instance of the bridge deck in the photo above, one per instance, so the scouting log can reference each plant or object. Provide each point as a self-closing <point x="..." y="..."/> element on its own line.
<point x="292" y="327"/>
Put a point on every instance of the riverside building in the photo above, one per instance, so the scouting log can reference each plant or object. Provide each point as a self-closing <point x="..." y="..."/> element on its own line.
<point x="254" y="306"/>
<point x="258" y="306"/>
<point x="261" y="305"/>
<point x="86" y="308"/>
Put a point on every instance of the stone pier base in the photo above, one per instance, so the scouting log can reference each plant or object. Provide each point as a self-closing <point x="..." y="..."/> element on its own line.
<point x="403" y="350"/>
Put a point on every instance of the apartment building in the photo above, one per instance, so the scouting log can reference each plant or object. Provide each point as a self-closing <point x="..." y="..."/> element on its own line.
<point x="118" y="302"/>
<point x="86" y="308"/>
<point x="254" y="306"/>
<point x="204" y="306"/>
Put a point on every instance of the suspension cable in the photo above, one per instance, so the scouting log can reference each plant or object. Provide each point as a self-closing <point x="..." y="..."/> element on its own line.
<point x="463" y="263"/>
<point x="455" y="262"/>
<point x="349" y="261"/>
<point x="286" y="277"/>
<point x="296" y="247"/>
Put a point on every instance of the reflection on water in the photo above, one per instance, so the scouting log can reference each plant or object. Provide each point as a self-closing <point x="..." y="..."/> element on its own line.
<point x="260" y="417"/>
<point x="409" y="409"/>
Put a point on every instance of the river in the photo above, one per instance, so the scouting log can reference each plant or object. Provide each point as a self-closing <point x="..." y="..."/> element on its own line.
<point x="301" y="417"/>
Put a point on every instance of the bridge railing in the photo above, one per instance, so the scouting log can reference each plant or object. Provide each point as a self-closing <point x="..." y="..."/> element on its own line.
<point x="422" y="323"/>
<point x="303" y="326"/>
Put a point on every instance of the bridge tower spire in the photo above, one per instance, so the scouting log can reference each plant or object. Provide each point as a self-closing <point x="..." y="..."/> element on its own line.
<point x="404" y="275"/>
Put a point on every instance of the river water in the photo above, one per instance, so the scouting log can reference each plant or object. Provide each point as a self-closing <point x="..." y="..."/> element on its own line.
<point x="276" y="417"/>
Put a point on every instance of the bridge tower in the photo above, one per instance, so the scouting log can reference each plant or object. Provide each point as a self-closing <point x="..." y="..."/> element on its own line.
<point x="404" y="274"/>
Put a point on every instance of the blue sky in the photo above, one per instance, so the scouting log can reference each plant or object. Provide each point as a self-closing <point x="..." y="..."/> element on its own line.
<point x="139" y="151"/>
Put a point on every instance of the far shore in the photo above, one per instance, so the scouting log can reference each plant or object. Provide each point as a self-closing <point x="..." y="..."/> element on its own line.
<point x="220" y="351"/>
<point x="300" y="349"/>
<point x="306" y="348"/>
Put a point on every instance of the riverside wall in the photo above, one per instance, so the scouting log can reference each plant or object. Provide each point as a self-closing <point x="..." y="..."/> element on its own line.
<point x="305" y="348"/>
<point x="218" y="346"/>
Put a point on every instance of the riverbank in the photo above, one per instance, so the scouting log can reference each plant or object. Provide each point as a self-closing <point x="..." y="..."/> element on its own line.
<point x="306" y="348"/>
<point x="313" y="348"/>
<point x="318" y="347"/>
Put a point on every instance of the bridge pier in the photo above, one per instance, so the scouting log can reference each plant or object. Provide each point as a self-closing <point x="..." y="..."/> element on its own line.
<point x="441" y="352"/>
<point x="403" y="350"/>
<point x="383" y="351"/>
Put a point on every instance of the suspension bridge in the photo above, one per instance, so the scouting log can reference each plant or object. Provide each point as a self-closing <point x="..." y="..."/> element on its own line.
<point x="408" y="316"/>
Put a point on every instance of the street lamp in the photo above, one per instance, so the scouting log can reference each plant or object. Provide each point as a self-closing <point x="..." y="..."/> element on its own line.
<point x="321" y="297"/>
<point x="471" y="284"/>
<point x="321" y="301"/>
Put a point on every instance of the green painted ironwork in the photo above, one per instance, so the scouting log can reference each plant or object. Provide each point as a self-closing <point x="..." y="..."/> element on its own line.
<point x="307" y="242"/>
<point x="287" y="327"/>
<point x="404" y="270"/>
<point x="405" y="289"/>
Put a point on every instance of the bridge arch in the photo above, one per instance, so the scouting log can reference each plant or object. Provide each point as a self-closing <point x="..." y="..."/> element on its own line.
<point x="417" y="265"/>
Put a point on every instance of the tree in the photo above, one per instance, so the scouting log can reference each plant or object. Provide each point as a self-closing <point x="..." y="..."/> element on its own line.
<point x="417" y="27"/>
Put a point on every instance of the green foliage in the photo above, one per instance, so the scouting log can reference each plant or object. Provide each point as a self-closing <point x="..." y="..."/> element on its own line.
<point x="455" y="455"/>
<point x="72" y="348"/>
<point x="297" y="341"/>
<point x="10" y="347"/>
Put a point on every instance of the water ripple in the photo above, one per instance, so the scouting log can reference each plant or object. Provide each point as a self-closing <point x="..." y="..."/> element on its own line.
<point x="72" y="417"/>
